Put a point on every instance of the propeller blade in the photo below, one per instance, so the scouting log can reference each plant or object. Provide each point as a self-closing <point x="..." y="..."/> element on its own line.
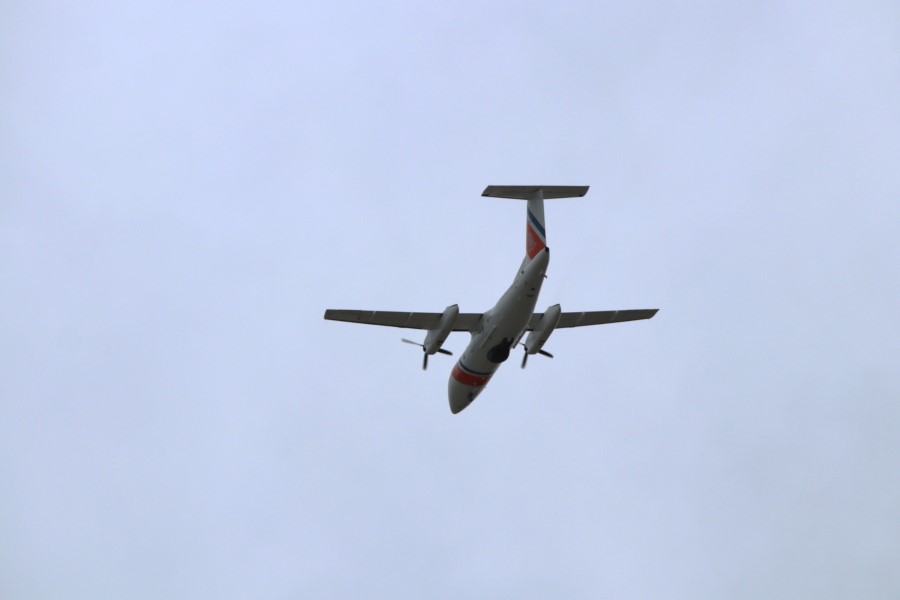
<point x="422" y="346"/>
<point x="524" y="359"/>
<point x="545" y="353"/>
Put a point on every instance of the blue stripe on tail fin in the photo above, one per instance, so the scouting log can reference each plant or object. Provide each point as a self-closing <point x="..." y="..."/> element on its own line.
<point x="535" y="230"/>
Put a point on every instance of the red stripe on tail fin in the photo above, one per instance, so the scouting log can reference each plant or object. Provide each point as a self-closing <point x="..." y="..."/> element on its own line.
<point x="533" y="242"/>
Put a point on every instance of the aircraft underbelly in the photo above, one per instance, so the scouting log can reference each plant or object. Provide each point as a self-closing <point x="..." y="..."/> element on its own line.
<point x="489" y="349"/>
<point x="501" y="328"/>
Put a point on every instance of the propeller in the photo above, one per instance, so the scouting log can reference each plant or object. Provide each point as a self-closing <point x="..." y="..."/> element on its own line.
<point x="525" y="358"/>
<point x="422" y="346"/>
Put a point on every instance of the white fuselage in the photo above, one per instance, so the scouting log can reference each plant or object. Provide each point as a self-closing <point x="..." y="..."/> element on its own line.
<point x="500" y="330"/>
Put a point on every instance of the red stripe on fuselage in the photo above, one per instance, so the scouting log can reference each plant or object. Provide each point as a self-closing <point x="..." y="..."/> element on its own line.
<point x="469" y="379"/>
<point x="533" y="241"/>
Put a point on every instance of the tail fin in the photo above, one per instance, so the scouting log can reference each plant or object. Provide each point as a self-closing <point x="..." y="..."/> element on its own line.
<point x="535" y="230"/>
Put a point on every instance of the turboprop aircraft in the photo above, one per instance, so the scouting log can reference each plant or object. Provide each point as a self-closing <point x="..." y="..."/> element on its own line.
<point x="501" y="328"/>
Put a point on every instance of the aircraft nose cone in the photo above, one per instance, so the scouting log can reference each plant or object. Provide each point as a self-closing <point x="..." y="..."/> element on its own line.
<point x="460" y="396"/>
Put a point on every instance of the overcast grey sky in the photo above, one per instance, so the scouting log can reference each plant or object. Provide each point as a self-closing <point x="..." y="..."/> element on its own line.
<point x="185" y="188"/>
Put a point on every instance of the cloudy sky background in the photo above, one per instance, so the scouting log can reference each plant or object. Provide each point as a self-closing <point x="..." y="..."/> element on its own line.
<point x="185" y="189"/>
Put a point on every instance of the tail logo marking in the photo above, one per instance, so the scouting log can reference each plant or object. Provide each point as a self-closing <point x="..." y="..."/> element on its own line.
<point x="535" y="236"/>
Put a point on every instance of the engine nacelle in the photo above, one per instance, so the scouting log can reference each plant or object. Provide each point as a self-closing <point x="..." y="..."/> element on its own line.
<point x="537" y="338"/>
<point x="437" y="336"/>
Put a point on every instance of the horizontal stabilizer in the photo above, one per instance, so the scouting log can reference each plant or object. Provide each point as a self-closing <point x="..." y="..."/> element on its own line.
<point x="597" y="317"/>
<point x="524" y="192"/>
<point x="409" y="320"/>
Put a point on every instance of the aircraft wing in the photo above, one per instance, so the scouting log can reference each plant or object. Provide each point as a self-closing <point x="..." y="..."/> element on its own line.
<point x="597" y="317"/>
<point x="409" y="320"/>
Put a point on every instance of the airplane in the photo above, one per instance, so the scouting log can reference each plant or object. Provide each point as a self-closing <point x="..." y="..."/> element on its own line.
<point x="500" y="329"/>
